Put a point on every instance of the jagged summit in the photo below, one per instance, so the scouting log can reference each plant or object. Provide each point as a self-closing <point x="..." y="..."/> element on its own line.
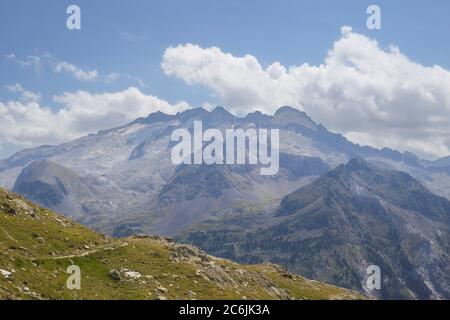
<point x="289" y="115"/>
<point x="219" y="110"/>
<point x="287" y="110"/>
<point x="360" y="178"/>
<point x="195" y="113"/>
<point x="157" y="116"/>
<point x="222" y="113"/>
<point x="355" y="164"/>
<point x="258" y="117"/>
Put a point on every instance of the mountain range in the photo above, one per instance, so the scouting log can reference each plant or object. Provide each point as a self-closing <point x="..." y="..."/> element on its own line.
<point x="349" y="218"/>
<point x="323" y="215"/>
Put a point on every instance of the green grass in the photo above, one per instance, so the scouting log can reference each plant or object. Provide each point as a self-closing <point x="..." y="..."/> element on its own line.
<point x="35" y="243"/>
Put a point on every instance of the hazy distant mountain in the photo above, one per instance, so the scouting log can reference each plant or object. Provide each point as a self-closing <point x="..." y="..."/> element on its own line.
<point x="351" y="217"/>
<point x="87" y="199"/>
<point x="442" y="162"/>
<point x="198" y="192"/>
<point x="52" y="185"/>
<point x="130" y="184"/>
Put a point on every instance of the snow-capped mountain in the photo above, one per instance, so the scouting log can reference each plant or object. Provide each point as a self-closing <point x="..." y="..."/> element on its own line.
<point x="130" y="185"/>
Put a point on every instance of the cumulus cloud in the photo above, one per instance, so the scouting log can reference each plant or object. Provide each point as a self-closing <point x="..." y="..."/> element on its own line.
<point x="373" y="95"/>
<point x="28" y="123"/>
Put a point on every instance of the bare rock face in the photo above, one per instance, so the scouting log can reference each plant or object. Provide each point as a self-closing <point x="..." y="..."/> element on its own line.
<point x="6" y="274"/>
<point x="52" y="186"/>
<point x="115" y="275"/>
<point x="121" y="181"/>
<point x="217" y="271"/>
<point x="352" y="217"/>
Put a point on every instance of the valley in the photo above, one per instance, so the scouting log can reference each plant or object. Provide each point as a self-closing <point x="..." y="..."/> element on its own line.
<point x="324" y="215"/>
<point x="334" y="228"/>
<point x="40" y="245"/>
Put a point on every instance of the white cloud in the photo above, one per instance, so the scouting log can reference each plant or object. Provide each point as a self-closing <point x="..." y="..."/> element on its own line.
<point x="78" y="73"/>
<point x="29" y="61"/>
<point x="28" y="123"/>
<point x="372" y="95"/>
<point x="25" y="95"/>
<point x="112" y="77"/>
<point x="60" y="66"/>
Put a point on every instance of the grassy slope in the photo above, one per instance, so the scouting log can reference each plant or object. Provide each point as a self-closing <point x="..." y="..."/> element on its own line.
<point x="37" y="246"/>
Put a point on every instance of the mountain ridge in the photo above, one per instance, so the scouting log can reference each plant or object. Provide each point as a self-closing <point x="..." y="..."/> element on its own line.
<point x="134" y="188"/>
<point x="37" y="246"/>
<point x="126" y="168"/>
<point x="345" y="220"/>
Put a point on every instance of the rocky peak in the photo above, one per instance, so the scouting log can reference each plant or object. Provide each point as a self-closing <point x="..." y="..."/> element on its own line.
<point x="289" y="115"/>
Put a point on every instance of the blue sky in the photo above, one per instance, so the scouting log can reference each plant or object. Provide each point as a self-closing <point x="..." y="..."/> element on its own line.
<point x="130" y="37"/>
<point x="291" y="32"/>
